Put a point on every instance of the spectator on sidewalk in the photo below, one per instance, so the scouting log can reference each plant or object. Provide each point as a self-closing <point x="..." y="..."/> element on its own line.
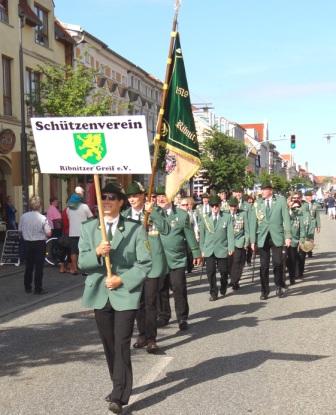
<point x="55" y="218"/>
<point x="78" y="212"/>
<point x="35" y="229"/>
<point x="10" y="214"/>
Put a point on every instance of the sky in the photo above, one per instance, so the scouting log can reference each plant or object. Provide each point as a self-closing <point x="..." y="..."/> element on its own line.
<point x="253" y="61"/>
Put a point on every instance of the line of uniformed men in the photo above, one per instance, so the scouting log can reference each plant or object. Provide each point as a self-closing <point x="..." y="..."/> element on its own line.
<point x="146" y="264"/>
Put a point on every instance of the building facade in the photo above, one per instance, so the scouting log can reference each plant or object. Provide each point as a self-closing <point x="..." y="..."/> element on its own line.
<point x="44" y="42"/>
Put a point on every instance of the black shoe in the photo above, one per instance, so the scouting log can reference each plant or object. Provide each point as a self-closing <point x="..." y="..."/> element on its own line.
<point x="160" y="322"/>
<point x="115" y="407"/>
<point x="152" y="347"/>
<point x="279" y="293"/>
<point x="28" y="290"/>
<point x="213" y="298"/>
<point x="292" y="281"/>
<point x="140" y="343"/>
<point x="183" y="325"/>
<point x="222" y="291"/>
<point x="235" y="286"/>
<point x="263" y="296"/>
<point x="40" y="292"/>
<point x="108" y="398"/>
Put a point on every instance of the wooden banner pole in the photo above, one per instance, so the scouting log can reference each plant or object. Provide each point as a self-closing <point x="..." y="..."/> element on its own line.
<point x="102" y="223"/>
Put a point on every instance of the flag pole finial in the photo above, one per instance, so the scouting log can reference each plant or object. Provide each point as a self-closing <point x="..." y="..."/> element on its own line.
<point x="177" y="5"/>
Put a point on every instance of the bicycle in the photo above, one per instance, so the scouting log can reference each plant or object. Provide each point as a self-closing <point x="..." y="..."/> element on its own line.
<point x="54" y="252"/>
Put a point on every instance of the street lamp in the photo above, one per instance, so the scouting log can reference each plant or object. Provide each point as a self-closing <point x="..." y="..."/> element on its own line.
<point x="23" y="135"/>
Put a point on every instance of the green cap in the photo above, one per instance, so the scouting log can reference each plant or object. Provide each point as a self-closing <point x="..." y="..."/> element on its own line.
<point x="113" y="188"/>
<point x="160" y="190"/>
<point x="309" y="193"/>
<point x="134" y="188"/>
<point x="214" y="200"/>
<point x="267" y="185"/>
<point x="203" y="195"/>
<point x="233" y="201"/>
<point x="237" y="188"/>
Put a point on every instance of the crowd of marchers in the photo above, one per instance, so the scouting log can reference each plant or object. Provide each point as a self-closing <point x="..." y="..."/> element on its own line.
<point x="152" y="244"/>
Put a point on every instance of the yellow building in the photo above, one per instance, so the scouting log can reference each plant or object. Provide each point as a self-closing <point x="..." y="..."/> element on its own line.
<point x="44" y="41"/>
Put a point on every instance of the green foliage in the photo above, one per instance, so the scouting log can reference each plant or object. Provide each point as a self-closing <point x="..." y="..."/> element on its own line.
<point x="67" y="91"/>
<point x="279" y="182"/>
<point x="249" y="180"/>
<point x="299" y="182"/>
<point x="224" y="159"/>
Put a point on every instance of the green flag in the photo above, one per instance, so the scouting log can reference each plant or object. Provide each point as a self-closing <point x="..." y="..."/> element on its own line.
<point x="178" y="133"/>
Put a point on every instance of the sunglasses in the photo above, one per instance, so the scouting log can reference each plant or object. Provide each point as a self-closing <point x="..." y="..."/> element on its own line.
<point x="109" y="196"/>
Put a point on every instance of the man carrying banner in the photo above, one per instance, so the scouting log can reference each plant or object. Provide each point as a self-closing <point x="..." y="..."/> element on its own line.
<point x="116" y="299"/>
<point x="147" y="314"/>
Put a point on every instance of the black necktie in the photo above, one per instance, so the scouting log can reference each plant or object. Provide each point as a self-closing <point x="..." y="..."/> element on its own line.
<point x="268" y="209"/>
<point x="215" y="221"/>
<point x="109" y="231"/>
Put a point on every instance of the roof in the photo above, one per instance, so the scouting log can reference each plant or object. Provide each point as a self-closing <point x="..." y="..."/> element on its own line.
<point x="259" y="127"/>
<point x="62" y="35"/>
<point x="30" y="17"/>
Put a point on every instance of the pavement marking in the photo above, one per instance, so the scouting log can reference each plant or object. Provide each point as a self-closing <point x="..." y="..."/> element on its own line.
<point x="39" y="300"/>
<point x="154" y="373"/>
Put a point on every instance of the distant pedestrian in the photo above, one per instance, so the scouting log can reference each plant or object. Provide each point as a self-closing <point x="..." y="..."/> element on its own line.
<point x="35" y="229"/>
<point x="78" y="212"/>
<point x="54" y="217"/>
<point x="10" y="214"/>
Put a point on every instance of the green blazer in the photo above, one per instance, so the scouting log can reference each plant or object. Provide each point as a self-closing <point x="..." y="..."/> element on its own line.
<point x="130" y="260"/>
<point x="174" y="243"/>
<point x="297" y="227"/>
<point x="308" y="223"/>
<point x="313" y="212"/>
<point x="278" y="224"/>
<point x="219" y="240"/>
<point x="157" y="225"/>
<point x="241" y="229"/>
<point x="199" y="212"/>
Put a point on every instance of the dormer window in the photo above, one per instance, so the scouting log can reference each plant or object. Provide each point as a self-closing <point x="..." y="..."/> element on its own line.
<point x="41" y="31"/>
<point x="4" y="11"/>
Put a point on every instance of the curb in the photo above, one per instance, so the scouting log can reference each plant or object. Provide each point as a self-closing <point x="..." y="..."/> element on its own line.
<point x="40" y="300"/>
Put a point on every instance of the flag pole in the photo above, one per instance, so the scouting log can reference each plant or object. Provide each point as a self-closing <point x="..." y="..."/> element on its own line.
<point x="162" y="108"/>
<point x="102" y="223"/>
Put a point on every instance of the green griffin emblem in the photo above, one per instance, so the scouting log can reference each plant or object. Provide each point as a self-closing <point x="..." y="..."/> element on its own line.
<point x="91" y="147"/>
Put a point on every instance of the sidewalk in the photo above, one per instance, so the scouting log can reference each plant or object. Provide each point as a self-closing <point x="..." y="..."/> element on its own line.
<point x="13" y="297"/>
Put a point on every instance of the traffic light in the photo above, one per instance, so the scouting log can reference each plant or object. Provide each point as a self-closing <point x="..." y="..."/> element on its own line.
<point x="292" y="142"/>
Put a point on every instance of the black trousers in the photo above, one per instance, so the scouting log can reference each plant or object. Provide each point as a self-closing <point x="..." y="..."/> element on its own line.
<point x="277" y="259"/>
<point x="301" y="261"/>
<point x="236" y="264"/>
<point x="115" y="329"/>
<point x="292" y="262"/>
<point x="176" y="280"/>
<point x="212" y="264"/>
<point x="147" y="314"/>
<point x="249" y="254"/>
<point x="34" y="259"/>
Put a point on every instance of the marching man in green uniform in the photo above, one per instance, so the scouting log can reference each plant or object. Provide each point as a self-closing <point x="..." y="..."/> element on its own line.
<point x="270" y="229"/>
<point x="242" y="204"/>
<point x="204" y="207"/>
<point x="147" y="313"/>
<point x="217" y="243"/>
<point x="298" y="236"/>
<point x="115" y="299"/>
<point x="312" y="208"/>
<point x="242" y="240"/>
<point x="224" y="203"/>
<point x="181" y="232"/>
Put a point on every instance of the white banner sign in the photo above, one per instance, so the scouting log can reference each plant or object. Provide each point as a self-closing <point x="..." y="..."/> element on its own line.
<point x="92" y="145"/>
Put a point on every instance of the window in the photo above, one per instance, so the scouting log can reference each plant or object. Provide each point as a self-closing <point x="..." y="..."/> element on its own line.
<point x="7" y="85"/>
<point x="41" y="31"/>
<point x="4" y="11"/>
<point x="32" y="91"/>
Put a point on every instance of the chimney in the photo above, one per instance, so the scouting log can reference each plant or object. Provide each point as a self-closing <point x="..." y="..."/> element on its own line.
<point x="306" y="166"/>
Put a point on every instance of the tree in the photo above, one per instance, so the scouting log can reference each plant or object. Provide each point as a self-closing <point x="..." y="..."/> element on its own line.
<point x="298" y="183"/>
<point x="224" y="159"/>
<point x="66" y="91"/>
